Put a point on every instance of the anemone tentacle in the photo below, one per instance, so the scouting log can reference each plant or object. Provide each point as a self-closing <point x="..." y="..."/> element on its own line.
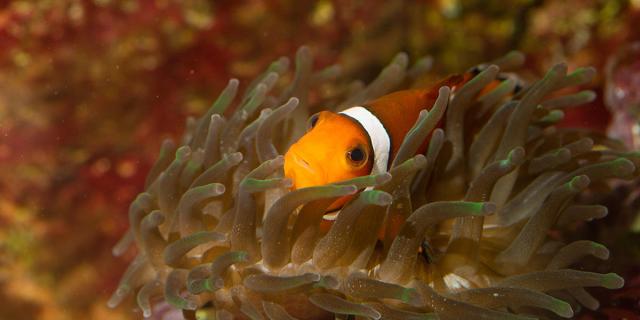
<point x="218" y="232"/>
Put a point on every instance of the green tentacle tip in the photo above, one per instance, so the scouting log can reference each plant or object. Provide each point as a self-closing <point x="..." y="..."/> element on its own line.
<point x="424" y="61"/>
<point x="634" y="154"/>
<point x="256" y="98"/>
<point x="487" y="73"/>
<point x="183" y="153"/>
<point x="271" y="79"/>
<point x="234" y="158"/>
<point x="258" y="92"/>
<point x="167" y="145"/>
<point x="141" y="197"/>
<point x="182" y="303"/>
<point x="329" y="72"/>
<point x="223" y="101"/>
<point x="488" y="208"/>
<point x="553" y="116"/>
<point x="418" y="162"/>
<point x="123" y="289"/>
<point x="444" y="92"/>
<point x="311" y="277"/>
<point x="346" y="190"/>
<point x="422" y="120"/>
<point x="277" y="161"/>
<point x="279" y="65"/>
<point x="515" y="55"/>
<point x="401" y="59"/>
<point x="582" y="74"/>
<point x="563" y="153"/>
<point x="612" y="281"/>
<point x="411" y="296"/>
<point x="506" y="85"/>
<point x="562" y="308"/>
<point x="264" y="113"/>
<point x="560" y="68"/>
<point x="155" y="218"/>
<point x="597" y="245"/>
<point x="580" y="182"/>
<point x="193" y="165"/>
<point x="303" y="53"/>
<point x="382" y="178"/>
<point x="602" y="212"/>
<point x="391" y="70"/>
<point x="260" y="184"/>
<point x="587" y="95"/>
<point x="327" y="282"/>
<point x="506" y="163"/>
<point x="376" y="197"/>
<point x="623" y="167"/>
<point x="213" y="285"/>
<point x="489" y="70"/>
<point x="474" y="207"/>
<point x="367" y="181"/>
<point x="515" y="156"/>
<point x="116" y="298"/>
<point x="233" y="82"/>
<point x="217" y="188"/>
<point x="601" y="251"/>
<point x="479" y="208"/>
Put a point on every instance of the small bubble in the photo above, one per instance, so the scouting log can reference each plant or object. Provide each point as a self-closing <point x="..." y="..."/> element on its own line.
<point x="100" y="167"/>
<point x="126" y="169"/>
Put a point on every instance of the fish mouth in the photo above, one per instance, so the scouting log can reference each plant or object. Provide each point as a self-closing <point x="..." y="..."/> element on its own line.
<point x="300" y="171"/>
<point x="303" y="163"/>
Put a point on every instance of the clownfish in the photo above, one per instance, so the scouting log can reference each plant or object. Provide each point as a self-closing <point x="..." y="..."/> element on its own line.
<point x="362" y="140"/>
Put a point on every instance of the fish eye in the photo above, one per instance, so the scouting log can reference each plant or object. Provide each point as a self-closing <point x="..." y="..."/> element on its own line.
<point x="312" y="121"/>
<point x="357" y="155"/>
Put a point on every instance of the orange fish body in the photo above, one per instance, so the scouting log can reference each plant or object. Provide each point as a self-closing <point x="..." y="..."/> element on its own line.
<point x="399" y="111"/>
<point x="360" y="140"/>
<point x="323" y="155"/>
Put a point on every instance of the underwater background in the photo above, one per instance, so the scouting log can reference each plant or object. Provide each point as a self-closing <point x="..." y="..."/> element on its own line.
<point x="90" y="89"/>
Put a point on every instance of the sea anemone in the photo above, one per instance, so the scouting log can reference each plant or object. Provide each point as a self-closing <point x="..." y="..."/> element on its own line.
<point x="220" y="236"/>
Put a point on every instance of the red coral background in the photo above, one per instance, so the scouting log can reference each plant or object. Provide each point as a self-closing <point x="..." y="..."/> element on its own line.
<point x="90" y="88"/>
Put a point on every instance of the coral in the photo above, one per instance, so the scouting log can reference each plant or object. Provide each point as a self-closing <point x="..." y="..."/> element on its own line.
<point x="220" y="236"/>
